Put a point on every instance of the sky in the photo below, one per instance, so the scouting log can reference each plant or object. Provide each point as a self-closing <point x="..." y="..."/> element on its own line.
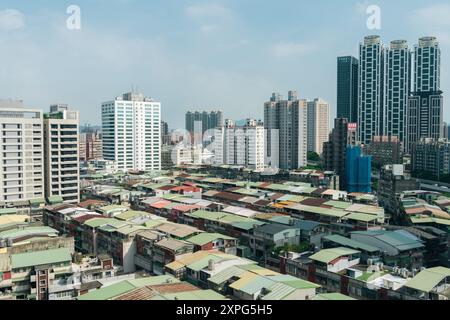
<point x="196" y="54"/>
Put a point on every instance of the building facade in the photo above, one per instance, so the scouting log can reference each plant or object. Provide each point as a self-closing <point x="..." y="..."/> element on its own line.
<point x="132" y="132"/>
<point x="430" y="159"/>
<point x="334" y="152"/>
<point x="358" y="170"/>
<point x="397" y="89"/>
<point x="426" y="101"/>
<point x="318" y="125"/>
<point x="371" y="87"/>
<point x="347" y="88"/>
<point x="91" y="146"/>
<point x="22" y="150"/>
<point x="203" y="120"/>
<point x="240" y="145"/>
<point x="285" y="122"/>
<point x="385" y="150"/>
<point x="61" y="134"/>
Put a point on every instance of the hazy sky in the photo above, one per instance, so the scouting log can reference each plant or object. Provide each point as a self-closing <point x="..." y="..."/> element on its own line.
<point x="229" y="54"/>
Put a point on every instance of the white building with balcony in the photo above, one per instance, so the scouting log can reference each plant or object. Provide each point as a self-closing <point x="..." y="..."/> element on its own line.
<point x="61" y="140"/>
<point x="21" y="154"/>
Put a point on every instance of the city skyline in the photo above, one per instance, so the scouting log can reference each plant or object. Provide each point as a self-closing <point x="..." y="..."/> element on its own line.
<point x="200" y="49"/>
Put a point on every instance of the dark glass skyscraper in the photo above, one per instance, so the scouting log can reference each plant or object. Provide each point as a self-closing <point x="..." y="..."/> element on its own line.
<point x="426" y="103"/>
<point x="208" y="120"/>
<point x="347" y="88"/>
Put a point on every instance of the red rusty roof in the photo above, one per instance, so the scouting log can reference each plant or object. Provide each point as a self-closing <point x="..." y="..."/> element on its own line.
<point x="160" y="204"/>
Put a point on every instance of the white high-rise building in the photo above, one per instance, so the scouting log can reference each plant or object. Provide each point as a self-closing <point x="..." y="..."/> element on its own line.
<point x="132" y="132"/>
<point x="370" y="91"/>
<point x="61" y="146"/>
<point x="318" y="125"/>
<point x="21" y="155"/>
<point x="240" y="145"/>
<point x="286" y="123"/>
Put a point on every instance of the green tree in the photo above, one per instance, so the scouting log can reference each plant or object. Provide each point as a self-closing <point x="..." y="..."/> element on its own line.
<point x="312" y="156"/>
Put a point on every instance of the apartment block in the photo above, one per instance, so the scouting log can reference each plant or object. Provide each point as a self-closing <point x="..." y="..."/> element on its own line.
<point x="21" y="154"/>
<point x="318" y="125"/>
<point x="132" y="132"/>
<point x="61" y="140"/>
<point x="240" y="145"/>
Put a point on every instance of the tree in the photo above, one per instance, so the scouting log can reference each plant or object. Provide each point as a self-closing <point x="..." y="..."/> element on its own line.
<point x="312" y="156"/>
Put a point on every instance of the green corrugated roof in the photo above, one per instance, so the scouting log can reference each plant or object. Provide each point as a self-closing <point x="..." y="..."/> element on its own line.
<point x="338" y="213"/>
<point x="55" y="199"/>
<point x="204" y="238"/>
<point x="351" y="243"/>
<point x="113" y="208"/>
<point x="37" y="258"/>
<point x="361" y="217"/>
<point x="332" y="296"/>
<point x="128" y="215"/>
<point x="338" y="204"/>
<point x="225" y="275"/>
<point x="37" y="201"/>
<point x="328" y="255"/>
<point x="8" y="211"/>
<point x="118" y="289"/>
<point x="152" y="281"/>
<point x="199" y="295"/>
<point x="109" y="292"/>
<point x="428" y="279"/>
<point x="28" y="231"/>
<point x="97" y="222"/>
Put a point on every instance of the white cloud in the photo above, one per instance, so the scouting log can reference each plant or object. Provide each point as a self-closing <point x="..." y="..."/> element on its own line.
<point x="435" y="15"/>
<point x="207" y="10"/>
<point x="11" y="19"/>
<point x="286" y="49"/>
<point x="208" y="28"/>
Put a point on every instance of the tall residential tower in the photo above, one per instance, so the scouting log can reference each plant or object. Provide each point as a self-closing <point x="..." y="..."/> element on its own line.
<point x="371" y="89"/>
<point x="61" y="145"/>
<point x="426" y="103"/>
<point x="285" y="122"/>
<point x="132" y="132"/>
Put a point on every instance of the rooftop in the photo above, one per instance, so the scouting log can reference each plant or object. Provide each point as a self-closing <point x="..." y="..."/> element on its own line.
<point x="37" y="258"/>
<point x="329" y="255"/>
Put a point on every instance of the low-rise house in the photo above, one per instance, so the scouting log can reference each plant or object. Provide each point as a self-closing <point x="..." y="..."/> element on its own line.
<point x="430" y="284"/>
<point x="112" y="210"/>
<point x="336" y="259"/>
<point x="252" y="282"/>
<point x="367" y="251"/>
<point x="167" y="251"/>
<point x="399" y="248"/>
<point x="269" y="237"/>
<point x="145" y="248"/>
<point x="152" y="288"/>
<point x="214" y="241"/>
<point x="40" y="274"/>
<point x="198" y="267"/>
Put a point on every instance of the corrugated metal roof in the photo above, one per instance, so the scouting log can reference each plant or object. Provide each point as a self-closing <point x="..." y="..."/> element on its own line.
<point x="37" y="258"/>
<point x="351" y="243"/>
<point x="225" y="275"/>
<point x="428" y="279"/>
<point x="328" y="255"/>
<point x="204" y="238"/>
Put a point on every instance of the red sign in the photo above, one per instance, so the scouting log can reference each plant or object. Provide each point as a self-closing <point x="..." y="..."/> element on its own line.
<point x="352" y="126"/>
